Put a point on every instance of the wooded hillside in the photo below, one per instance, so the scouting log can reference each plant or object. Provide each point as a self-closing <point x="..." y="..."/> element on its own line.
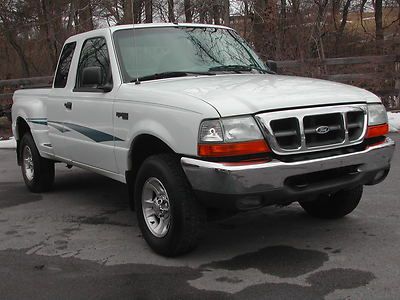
<point x="32" y="32"/>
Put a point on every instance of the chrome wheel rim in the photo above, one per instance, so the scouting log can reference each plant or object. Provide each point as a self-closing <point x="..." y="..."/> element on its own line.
<point x="156" y="207"/>
<point x="28" y="163"/>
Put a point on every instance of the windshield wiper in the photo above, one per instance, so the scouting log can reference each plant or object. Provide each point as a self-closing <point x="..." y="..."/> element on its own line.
<point x="173" y="74"/>
<point x="240" y="68"/>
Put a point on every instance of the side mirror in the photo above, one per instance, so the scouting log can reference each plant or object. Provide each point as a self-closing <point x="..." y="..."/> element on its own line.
<point x="272" y="65"/>
<point x="92" y="77"/>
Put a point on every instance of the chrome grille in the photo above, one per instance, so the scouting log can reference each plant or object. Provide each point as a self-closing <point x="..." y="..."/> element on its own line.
<point x="334" y="125"/>
<point x="313" y="129"/>
<point x="287" y="133"/>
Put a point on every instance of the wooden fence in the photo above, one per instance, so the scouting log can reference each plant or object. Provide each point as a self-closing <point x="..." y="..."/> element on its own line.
<point x="379" y="74"/>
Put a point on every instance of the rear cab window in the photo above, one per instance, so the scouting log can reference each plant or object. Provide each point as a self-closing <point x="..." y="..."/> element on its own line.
<point x="64" y="65"/>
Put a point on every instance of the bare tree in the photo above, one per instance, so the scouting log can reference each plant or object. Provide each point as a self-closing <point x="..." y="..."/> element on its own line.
<point x="148" y="8"/>
<point x="9" y="21"/>
<point x="188" y="11"/>
<point x="226" y="8"/>
<point x="259" y="23"/>
<point x="342" y="26"/>
<point x="128" y="11"/>
<point x="84" y="20"/>
<point x="137" y="11"/>
<point x="265" y="27"/>
<point x="216" y="12"/>
<point x="49" y="23"/>
<point x="171" y="11"/>
<point x="379" y="32"/>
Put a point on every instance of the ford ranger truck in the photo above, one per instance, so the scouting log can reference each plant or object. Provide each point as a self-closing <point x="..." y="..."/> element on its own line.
<point x="193" y="121"/>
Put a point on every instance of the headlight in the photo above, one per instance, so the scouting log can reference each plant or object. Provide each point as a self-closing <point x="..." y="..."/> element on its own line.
<point x="377" y="121"/>
<point x="231" y="137"/>
<point x="230" y="130"/>
<point x="377" y="114"/>
<point x="211" y="131"/>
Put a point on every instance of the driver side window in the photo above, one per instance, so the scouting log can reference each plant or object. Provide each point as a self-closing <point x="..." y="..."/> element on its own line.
<point x="94" y="54"/>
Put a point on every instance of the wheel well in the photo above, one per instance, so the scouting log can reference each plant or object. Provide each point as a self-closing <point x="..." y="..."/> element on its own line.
<point x="22" y="128"/>
<point x="143" y="147"/>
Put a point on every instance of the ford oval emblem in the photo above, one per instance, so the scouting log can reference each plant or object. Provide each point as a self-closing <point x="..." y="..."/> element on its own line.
<point x="322" y="129"/>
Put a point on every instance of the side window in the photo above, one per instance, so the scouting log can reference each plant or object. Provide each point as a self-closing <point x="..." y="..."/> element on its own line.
<point x="94" y="54"/>
<point x="64" y="65"/>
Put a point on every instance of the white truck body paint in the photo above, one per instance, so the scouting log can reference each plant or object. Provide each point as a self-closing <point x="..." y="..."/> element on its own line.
<point x="169" y="109"/>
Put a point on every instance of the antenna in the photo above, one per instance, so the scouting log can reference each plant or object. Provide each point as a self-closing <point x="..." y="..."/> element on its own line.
<point x="134" y="43"/>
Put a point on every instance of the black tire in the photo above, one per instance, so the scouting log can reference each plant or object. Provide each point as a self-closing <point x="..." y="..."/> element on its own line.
<point x="187" y="216"/>
<point x="334" y="206"/>
<point x="42" y="179"/>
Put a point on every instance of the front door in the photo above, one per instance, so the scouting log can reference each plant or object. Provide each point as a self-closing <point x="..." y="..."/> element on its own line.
<point x="89" y="138"/>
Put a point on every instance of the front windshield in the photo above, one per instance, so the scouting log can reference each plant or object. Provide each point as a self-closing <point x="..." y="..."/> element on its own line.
<point x="181" y="49"/>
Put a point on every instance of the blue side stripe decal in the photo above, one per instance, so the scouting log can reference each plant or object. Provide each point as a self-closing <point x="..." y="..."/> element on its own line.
<point x="39" y="121"/>
<point x="93" y="134"/>
<point x="58" y="126"/>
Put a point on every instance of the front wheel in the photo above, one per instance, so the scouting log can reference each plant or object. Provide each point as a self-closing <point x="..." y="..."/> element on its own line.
<point x="38" y="172"/>
<point x="334" y="206"/>
<point x="169" y="216"/>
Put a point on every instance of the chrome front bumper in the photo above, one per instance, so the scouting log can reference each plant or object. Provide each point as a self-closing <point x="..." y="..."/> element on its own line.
<point x="271" y="177"/>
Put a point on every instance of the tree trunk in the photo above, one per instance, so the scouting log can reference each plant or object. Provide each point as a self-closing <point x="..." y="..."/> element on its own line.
<point x="216" y="13"/>
<point x="18" y="49"/>
<point x="318" y="34"/>
<point x="48" y="23"/>
<point x="188" y="11"/>
<point x="299" y="45"/>
<point x="70" y="16"/>
<point x="246" y="17"/>
<point x="138" y="8"/>
<point x="171" y="11"/>
<point x="335" y="12"/>
<point x="362" y="6"/>
<point x="345" y="15"/>
<point x="379" y="34"/>
<point x="226" y="12"/>
<point x="259" y="24"/>
<point x="148" y="8"/>
<point x="85" y="16"/>
<point x="265" y="28"/>
<point x="281" y="36"/>
<point x="342" y="26"/>
<point x="128" y="12"/>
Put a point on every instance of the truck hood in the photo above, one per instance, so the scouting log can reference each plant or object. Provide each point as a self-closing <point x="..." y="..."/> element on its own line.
<point x="248" y="94"/>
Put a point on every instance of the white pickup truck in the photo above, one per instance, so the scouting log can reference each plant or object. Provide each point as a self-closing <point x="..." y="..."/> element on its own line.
<point x="192" y="120"/>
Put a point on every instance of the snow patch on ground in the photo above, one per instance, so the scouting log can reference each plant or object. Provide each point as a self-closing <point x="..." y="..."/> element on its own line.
<point x="394" y="122"/>
<point x="8" y="144"/>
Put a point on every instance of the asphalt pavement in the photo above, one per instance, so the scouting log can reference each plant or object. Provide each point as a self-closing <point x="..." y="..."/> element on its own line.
<point x="81" y="241"/>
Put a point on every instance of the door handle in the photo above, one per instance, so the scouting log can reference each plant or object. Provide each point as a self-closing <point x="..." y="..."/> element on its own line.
<point x="68" y="105"/>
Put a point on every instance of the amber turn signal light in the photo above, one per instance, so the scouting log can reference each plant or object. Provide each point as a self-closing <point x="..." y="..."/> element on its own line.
<point x="233" y="149"/>
<point x="377" y="130"/>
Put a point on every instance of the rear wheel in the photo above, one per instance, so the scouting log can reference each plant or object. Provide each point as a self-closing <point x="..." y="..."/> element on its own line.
<point x="169" y="216"/>
<point x="38" y="172"/>
<point x="333" y="206"/>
